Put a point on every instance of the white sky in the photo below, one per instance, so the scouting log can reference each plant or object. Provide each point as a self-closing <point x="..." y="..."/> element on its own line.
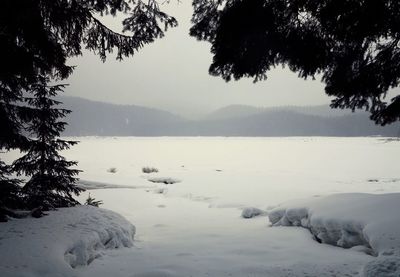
<point x="172" y="74"/>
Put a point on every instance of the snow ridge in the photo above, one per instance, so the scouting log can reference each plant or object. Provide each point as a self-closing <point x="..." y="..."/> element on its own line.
<point x="363" y="222"/>
<point x="346" y="234"/>
<point x="63" y="240"/>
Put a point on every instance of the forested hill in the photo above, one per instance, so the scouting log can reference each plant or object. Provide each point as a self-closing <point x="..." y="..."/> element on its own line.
<point x="92" y="118"/>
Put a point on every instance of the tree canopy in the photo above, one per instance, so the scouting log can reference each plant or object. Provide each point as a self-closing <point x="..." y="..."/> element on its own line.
<point x="352" y="44"/>
<point x="37" y="36"/>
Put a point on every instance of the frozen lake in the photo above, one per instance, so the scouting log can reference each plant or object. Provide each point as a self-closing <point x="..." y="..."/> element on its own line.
<point x="193" y="227"/>
<point x="244" y="171"/>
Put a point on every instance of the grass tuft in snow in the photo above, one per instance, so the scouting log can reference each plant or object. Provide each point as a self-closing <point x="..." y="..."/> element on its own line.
<point x="148" y="169"/>
<point x="112" y="170"/>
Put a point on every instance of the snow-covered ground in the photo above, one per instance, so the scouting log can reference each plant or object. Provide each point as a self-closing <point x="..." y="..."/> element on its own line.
<point x="63" y="240"/>
<point x="195" y="227"/>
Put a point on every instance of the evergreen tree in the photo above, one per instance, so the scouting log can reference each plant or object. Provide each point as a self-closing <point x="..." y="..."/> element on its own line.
<point x="91" y="201"/>
<point x="37" y="37"/>
<point x="52" y="182"/>
<point x="12" y="117"/>
<point x="10" y="194"/>
<point x="353" y="45"/>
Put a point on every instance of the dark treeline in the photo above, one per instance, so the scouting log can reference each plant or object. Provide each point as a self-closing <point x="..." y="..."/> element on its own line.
<point x="91" y="118"/>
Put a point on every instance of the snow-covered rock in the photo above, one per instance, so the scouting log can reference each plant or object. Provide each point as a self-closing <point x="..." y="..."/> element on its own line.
<point x="364" y="222"/>
<point x="250" y="212"/>
<point x="64" y="239"/>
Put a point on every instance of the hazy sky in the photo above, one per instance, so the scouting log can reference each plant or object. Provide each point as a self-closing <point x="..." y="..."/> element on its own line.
<point x="172" y="74"/>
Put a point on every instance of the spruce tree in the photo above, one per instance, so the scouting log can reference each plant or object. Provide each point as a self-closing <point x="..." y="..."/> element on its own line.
<point x="12" y="117"/>
<point x="52" y="182"/>
<point x="10" y="194"/>
<point x="36" y="39"/>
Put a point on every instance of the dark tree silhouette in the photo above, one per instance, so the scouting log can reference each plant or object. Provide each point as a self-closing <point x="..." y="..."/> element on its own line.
<point x="10" y="196"/>
<point x="37" y="37"/>
<point x="52" y="181"/>
<point x="11" y="119"/>
<point x="91" y="201"/>
<point x="354" y="45"/>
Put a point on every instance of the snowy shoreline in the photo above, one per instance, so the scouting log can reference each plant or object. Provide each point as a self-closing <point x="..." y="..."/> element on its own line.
<point x="214" y="222"/>
<point x="72" y="238"/>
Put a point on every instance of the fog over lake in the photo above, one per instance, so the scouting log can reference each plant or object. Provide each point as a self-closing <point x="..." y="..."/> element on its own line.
<point x="172" y="74"/>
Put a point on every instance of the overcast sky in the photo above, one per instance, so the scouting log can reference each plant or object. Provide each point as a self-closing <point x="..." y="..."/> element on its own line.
<point x="172" y="74"/>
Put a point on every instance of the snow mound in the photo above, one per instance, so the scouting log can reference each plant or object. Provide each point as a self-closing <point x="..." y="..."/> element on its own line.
<point x="100" y="232"/>
<point x="63" y="240"/>
<point x="364" y="222"/>
<point x="160" y="190"/>
<point x="250" y="212"/>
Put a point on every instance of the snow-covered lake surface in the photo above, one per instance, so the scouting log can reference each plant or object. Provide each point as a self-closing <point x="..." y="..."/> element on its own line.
<point x="188" y="214"/>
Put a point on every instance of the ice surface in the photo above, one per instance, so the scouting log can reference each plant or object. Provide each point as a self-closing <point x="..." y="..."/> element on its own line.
<point x="255" y="171"/>
<point x="90" y="185"/>
<point x="363" y="222"/>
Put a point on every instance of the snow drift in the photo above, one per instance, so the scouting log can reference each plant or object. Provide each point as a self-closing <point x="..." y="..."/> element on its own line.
<point x="65" y="239"/>
<point x="164" y="180"/>
<point x="364" y="222"/>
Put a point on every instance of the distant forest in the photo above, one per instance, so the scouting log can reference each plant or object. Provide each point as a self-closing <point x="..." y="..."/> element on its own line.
<point x="92" y="118"/>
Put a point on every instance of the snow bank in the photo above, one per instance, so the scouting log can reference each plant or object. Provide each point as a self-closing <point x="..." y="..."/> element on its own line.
<point x="61" y="241"/>
<point x="364" y="222"/>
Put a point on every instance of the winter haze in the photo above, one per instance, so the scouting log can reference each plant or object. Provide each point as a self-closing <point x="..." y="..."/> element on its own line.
<point x="172" y="74"/>
<point x="234" y="120"/>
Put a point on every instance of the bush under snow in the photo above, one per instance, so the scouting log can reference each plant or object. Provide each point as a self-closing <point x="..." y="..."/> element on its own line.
<point x="251" y="212"/>
<point x="360" y="221"/>
<point x="55" y="244"/>
<point x="148" y="169"/>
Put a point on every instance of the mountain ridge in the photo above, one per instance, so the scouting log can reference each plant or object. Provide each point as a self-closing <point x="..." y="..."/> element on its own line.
<point x="105" y="119"/>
